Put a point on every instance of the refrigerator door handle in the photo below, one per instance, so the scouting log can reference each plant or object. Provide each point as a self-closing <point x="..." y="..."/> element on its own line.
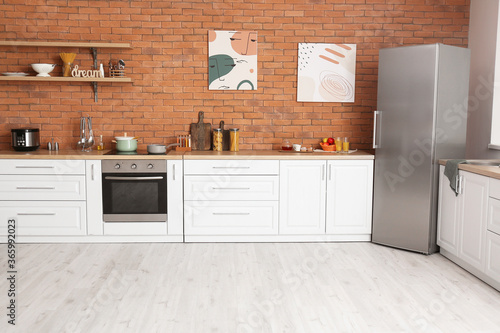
<point x="375" y="132"/>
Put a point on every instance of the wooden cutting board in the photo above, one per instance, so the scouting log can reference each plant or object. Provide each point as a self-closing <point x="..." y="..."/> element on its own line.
<point x="201" y="134"/>
<point x="225" y="136"/>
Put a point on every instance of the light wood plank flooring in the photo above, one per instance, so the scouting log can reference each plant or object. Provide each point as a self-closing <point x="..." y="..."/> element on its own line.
<point x="290" y="287"/>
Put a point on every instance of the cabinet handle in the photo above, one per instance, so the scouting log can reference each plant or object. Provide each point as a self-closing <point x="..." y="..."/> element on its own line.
<point x="35" y="188"/>
<point x="329" y="172"/>
<point x="92" y="171"/>
<point x="376" y="144"/>
<point x="230" y="213"/>
<point x="173" y="171"/>
<point x="231" y="167"/>
<point x="34" y="167"/>
<point x="35" y="214"/>
<point x="230" y="188"/>
<point x="323" y="172"/>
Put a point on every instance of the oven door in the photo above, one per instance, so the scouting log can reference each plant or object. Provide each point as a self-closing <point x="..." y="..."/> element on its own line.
<point x="134" y="197"/>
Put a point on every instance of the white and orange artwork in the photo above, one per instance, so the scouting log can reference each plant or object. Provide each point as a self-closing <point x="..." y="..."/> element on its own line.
<point x="232" y="60"/>
<point x="326" y="72"/>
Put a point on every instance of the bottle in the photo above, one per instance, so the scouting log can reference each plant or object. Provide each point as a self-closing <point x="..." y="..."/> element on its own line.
<point x="234" y="138"/>
<point x="101" y="69"/>
<point x="100" y="145"/>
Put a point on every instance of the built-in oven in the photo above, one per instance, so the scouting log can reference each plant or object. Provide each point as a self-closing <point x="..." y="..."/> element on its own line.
<point x="134" y="190"/>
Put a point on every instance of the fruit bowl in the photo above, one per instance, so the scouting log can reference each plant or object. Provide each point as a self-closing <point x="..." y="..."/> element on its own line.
<point x="327" y="148"/>
<point x="43" y="70"/>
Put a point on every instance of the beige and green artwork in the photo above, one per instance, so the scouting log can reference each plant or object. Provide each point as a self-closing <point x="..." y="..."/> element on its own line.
<point x="232" y="60"/>
<point x="326" y="72"/>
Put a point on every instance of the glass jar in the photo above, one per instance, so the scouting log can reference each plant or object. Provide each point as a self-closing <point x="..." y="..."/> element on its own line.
<point x="217" y="140"/>
<point x="234" y="138"/>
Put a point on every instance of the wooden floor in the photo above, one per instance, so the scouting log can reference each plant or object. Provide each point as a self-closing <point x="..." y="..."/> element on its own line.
<point x="313" y="287"/>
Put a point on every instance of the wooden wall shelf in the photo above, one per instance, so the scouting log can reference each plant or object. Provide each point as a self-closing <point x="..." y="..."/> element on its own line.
<point x="65" y="79"/>
<point x="91" y="45"/>
<point x="66" y="44"/>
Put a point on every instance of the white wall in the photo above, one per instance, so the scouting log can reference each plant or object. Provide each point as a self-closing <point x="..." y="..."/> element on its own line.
<point x="482" y="42"/>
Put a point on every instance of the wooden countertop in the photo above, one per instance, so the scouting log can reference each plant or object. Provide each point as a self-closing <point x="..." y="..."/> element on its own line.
<point x="484" y="170"/>
<point x="193" y="155"/>
<point x="70" y="154"/>
<point x="275" y="155"/>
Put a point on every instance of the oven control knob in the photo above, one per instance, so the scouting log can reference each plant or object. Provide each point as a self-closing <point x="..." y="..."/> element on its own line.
<point x="150" y="166"/>
<point x="117" y="166"/>
<point x="134" y="166"/>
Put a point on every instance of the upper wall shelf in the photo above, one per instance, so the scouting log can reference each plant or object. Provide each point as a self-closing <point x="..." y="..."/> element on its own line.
<point x="67" y="44"/>
<point x="92" y="46"/>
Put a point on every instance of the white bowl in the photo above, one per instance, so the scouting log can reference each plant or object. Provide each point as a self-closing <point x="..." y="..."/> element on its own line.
<point x="43" y="69"/>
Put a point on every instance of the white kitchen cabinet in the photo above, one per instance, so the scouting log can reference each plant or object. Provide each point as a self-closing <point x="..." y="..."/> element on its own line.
<point x="473" y="218"/>
<point x="462" y="219"/>
<point x="302" y="197"/>
<point x="230" y="198"/>
<point x="47" y="197"/>
<point x="94" y="197"/>
<point x="326" y="197"/>
<point x="349" y="197"/>
<point x="447" y="226"/>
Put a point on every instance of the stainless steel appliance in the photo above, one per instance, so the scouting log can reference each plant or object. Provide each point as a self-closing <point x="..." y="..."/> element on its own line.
<point x="422" y="112"/>
<point x="25" y="139"/>
<point x="134" y="190"/>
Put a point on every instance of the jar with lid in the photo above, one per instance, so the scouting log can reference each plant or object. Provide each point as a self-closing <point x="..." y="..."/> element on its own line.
<point x="217" y="140"/>
<point x="234" y="138"/>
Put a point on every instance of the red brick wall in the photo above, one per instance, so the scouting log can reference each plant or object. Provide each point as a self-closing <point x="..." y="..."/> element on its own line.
<point x="168" y="65"/>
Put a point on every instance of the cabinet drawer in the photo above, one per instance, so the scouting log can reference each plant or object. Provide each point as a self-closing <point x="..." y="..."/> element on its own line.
<point x="495" y="188"/>
<point x="231" y="167"/>
<point x="42" y="167"/>
<point x="31" y="187"/>
<point x="219" y="187"/>
<point x="231" y="218"/>
<point x="36" y="218"/>
<point x="493" y="255"/>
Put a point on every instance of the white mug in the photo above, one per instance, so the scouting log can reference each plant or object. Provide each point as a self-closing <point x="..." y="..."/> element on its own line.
<point x="296" y="147"/>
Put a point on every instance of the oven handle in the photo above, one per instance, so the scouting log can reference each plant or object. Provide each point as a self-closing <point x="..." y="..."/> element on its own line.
<point x="133" y="178"/>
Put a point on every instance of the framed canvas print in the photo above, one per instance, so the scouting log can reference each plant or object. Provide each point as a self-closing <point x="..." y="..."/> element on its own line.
<point x="326" y="72"/>
<point x="232" y="60"/>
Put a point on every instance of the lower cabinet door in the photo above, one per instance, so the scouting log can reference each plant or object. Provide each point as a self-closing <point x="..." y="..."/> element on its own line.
<point x="349" y="197"/>
<point x="230" y="217"/>
<point x="493" y="256"/>
<point x="302" y="197"/>
<point x="44" y="218"/>
<point x="448" y="210"/>
<point x="473" y="218"/>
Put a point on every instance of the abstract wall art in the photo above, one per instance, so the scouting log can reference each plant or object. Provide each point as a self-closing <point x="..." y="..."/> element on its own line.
<point x="232" y="60"/>
<point x="326" y="72"/>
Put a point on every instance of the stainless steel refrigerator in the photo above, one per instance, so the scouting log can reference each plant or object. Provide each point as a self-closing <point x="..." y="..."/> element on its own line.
<point x="420" y="118"/>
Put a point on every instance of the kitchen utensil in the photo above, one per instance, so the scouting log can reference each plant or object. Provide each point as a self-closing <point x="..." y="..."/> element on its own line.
<point x="200" y="133"/>
<point x="43" y="69"/>
<point x="156" y="149"/>
<point x="90" y="141"/>
<point x="225" y="136"/>
<point x="25" y="139"/>
<point x="126" y="143"/>
<point x="15" y="74"/>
